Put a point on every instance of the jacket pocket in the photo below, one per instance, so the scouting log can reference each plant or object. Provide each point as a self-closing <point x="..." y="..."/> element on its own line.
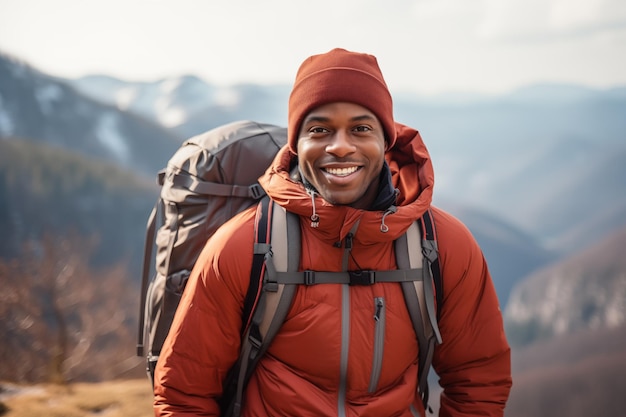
<point x="379" y="342"/>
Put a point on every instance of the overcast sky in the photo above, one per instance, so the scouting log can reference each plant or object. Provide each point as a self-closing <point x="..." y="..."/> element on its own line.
<point x="423" y="46"/>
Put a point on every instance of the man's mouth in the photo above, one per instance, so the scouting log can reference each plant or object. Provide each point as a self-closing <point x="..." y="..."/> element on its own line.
<point x="341" y="172"/>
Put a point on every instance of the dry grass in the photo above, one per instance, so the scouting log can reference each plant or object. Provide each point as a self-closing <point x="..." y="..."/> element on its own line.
<point x="132" y="398"/>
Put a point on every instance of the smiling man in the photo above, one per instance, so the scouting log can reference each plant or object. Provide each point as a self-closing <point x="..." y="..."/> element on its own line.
<point x="357" y="180"/>
<point x="341" y="151"/>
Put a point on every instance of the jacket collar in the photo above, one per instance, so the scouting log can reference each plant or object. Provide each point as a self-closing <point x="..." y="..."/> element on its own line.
<point x="385" y="198"/>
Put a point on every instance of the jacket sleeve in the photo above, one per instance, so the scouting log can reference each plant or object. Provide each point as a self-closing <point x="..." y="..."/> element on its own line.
<point x="473" y="362"/>
<point x="204" y="341"/>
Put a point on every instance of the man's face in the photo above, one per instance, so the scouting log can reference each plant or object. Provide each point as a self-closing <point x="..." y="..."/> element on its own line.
<point x="341" y="150"/>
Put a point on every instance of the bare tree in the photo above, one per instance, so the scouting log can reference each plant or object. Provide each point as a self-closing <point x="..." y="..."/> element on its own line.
<point x="62" y="319"/>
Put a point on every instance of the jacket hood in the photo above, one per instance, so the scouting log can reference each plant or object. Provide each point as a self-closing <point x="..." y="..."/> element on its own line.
<point x="411" y="174"/>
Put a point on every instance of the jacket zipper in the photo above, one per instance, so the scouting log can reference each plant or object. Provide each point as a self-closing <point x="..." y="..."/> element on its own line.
<point x="345" y="345"/>
<point x="345" y="326"/>
<point x="379" y="342"/>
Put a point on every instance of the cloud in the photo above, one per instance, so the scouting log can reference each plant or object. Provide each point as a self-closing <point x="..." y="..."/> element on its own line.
<point x="547" y="20"/>
<point x="426" y="46"/>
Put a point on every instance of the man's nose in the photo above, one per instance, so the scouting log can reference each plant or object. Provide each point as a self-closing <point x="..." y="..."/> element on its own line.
<point x="342" y="144"/>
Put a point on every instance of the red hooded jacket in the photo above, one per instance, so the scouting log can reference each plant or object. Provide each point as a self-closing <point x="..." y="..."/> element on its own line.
<point x="323" y="361"/>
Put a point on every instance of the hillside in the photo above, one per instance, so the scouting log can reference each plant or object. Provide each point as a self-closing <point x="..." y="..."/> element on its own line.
<point x="585" y="291"/>
<point x="510" y="253"/>
<point x="575" y="375"/>
<point x="73" y="231"/>
<point x="46" y="189"/>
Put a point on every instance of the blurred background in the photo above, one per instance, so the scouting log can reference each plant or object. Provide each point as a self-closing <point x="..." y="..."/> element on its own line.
<point x="522" y="105"/>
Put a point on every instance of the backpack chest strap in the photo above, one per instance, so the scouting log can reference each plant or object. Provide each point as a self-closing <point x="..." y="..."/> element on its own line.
<point x="365" y="277"/>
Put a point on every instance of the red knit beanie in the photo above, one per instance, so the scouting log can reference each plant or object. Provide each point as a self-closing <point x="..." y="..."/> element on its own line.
<point x="335" y="76"/>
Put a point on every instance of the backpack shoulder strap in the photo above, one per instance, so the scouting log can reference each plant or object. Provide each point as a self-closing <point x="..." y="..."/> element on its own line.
<point x="417" y="248"/>
<point x="277" y="246"/>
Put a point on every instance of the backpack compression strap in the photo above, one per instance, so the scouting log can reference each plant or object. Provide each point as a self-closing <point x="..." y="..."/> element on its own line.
<point x="193" y="183"/>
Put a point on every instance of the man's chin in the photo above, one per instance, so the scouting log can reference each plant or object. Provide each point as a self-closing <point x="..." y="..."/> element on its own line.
<point x="340" y="200"/>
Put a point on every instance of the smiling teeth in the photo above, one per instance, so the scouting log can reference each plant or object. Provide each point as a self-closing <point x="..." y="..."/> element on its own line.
<point x="341" y="172"/>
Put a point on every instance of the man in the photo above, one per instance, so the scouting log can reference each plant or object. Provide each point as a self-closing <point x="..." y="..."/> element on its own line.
<point x="357" y="180"/>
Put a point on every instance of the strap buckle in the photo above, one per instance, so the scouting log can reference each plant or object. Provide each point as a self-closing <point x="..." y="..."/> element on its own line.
<point x="309" y="277"/>
<point x="256" y="191"/>
<point x="362" y="277"/>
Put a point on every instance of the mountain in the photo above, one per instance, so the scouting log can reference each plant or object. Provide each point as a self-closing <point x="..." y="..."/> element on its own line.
<point x="584" y="291"/>
<point x="548" y="158"/>
<point x="510" y="253"/>
<point x="48" y="190"/>
<point x="170" y="101"/>
<point x="188" y="105"/>
<point x="47" y="109"/>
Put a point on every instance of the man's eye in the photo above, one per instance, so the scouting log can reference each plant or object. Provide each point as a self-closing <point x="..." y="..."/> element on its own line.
<point x="362" y="128"/>
<point x="318" y="129"/>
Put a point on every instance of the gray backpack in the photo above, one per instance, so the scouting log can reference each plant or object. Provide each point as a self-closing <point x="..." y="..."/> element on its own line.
<point x="212" y="177"/>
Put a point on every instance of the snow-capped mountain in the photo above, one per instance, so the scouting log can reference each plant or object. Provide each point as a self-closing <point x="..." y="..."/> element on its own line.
<point x="188" y="105"/>
<point x="44" y="108"/>
<point x="171" y="102"/>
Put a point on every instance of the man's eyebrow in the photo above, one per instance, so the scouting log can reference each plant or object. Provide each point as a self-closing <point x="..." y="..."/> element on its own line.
<point x="363" y="117"/>
<point x="320" y="119"/>
<point x="323" y="119"/>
